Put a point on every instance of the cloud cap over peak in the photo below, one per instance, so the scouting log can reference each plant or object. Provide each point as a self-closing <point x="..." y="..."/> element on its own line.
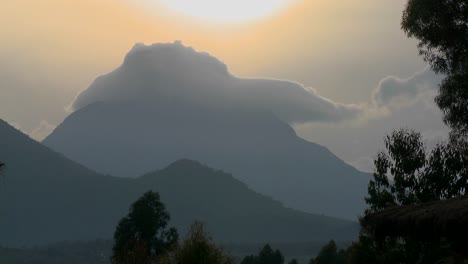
<point x="173" y="73"/>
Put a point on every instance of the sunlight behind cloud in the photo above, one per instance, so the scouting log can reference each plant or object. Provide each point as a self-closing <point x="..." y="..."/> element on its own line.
<point x="227" y="10"/>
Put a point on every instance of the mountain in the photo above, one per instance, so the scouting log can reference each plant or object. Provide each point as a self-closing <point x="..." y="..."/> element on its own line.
<point x="168" y="102"/>
<point x="45" y="198"/>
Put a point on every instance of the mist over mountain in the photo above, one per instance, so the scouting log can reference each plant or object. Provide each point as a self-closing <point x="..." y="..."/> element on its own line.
<point x="45" y="198"/>
<point x="168" y="102"/>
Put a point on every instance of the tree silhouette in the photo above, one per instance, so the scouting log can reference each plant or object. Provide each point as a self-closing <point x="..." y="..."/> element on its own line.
<point x="417" y="176"/>
<point x="198" y="248"/>
<point x="441" y="26"/>
<point x="293" y="261"/>
<point x="142" y="237"/>
<point x="329" y="254"/>
<point x="406" y="174"/>
<point x="266" y="256"/>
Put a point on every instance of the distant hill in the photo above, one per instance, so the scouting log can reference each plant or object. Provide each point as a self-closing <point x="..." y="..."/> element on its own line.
<point x="168" y="102"/>
<point x="46" y="198"/>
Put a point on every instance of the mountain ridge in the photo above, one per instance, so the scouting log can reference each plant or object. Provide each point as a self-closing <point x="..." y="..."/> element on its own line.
<point x="47" y="198"/>
<point x="256" y="148"/>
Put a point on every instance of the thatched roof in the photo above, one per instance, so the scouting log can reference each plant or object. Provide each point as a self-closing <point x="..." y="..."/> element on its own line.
<point x="448" y="218"/>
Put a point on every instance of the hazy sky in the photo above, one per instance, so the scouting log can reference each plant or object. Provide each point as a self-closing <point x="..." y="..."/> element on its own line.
<point x="346" y="50"/>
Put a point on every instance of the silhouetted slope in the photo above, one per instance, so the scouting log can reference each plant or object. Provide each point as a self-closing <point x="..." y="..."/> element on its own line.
<point x="47" y="198"/>
<point x="128" y="139"/>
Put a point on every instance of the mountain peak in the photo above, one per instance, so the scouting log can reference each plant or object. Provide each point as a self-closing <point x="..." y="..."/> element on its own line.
<point x="186" y="163"/>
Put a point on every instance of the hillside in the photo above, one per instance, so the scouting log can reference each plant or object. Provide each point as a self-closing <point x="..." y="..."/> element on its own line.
<point x="46" y="198"/>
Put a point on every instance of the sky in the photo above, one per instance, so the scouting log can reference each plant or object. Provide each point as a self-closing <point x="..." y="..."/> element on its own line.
<point x="347" y="52"/>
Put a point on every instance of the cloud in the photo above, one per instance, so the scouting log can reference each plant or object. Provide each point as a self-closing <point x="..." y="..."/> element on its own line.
<point x="395" y="103"/>
<point x="394" y="92"/>
<point x="173" y="73"/>
<point x="42" y="130"/>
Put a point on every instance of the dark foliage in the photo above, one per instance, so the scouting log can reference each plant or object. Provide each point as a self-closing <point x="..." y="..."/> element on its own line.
<point x="417" y="176"/>
<point x="441" y="26"/>
<point x="266" y="256"/>
<point x="405" y="174"/>
<point x="197" y="248"/>
<point x="330" y="254"/>
<point x="142" y="236"/>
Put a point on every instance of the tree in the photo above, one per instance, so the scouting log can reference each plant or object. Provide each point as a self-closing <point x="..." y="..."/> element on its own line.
<point x="329" y="254"/>
<point x="198" y="248"/>
<point x="417" y="176"/>
<point x="441" y="26"/>
<point x="266" y="256"/>
<point x="142" y="237"/>
<point x="293" y="261"/>
<point x="406" y="174"/>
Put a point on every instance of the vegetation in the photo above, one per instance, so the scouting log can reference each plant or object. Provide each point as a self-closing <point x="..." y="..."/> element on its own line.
<point x="442" y="30"/>
<point x="266" y="256"/>
<point x="416" y="177"/>
<point x="198" y="248"/>
<point x="142" y="237"/>
<point x="330" y="254"/>
<point x="407" y="173"/>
